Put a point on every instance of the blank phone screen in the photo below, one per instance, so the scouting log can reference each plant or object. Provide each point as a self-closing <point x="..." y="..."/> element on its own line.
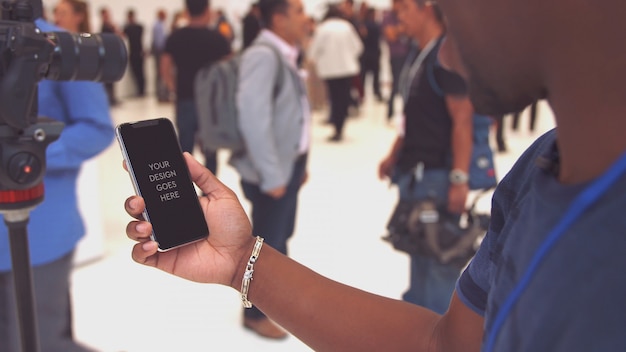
<point x="161" y="177"/>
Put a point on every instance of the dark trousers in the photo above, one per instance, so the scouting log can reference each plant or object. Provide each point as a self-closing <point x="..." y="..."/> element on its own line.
<point x="372" y="65"/>
<point x="274" y="219"/>
<point x="533" y="118"/>
<point x="139" y="76"/>
<point x="53" y="306"/>
<point x="500" y="139"/>
<point x="110" y="89"/>
<point x="340" y="98"/>
<point x="187" y="126"/>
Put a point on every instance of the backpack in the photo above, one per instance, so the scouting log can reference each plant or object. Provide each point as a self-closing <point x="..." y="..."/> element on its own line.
<point x="215" y="96"/>
<point x="482" y="173"/>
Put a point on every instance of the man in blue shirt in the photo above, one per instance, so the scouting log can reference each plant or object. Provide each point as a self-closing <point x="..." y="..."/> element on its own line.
<point x="159" y="37"/>
<point x="549" y="276"/>
<point x="56" y="225"/>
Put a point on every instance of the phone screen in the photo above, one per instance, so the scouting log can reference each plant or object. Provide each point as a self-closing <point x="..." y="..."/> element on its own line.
<point x="160" y="175"/>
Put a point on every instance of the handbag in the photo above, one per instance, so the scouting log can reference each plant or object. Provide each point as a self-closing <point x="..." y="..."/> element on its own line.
<point x="418" y="227"/>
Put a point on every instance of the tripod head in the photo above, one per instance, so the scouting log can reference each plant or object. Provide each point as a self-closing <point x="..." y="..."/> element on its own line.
<point x="27" y="56"/>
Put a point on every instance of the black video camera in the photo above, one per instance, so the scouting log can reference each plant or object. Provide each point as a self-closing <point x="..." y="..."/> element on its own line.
<point x="27" y="56"/>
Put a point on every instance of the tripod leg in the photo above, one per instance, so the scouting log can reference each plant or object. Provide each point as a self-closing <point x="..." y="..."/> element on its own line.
<point x="22" y="275"/>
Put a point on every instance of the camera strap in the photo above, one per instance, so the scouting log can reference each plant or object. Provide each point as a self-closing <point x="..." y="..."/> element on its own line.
<point x="579" y="206"/>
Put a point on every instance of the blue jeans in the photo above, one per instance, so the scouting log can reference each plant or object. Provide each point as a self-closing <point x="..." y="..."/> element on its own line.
<point x="274" y="219"/>
<point x="187" y="125"/>
<point x="431" y="283"/>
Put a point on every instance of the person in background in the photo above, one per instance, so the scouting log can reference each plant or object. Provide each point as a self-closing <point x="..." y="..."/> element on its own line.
<point x="136" y="54"/>
<point x="251" y="25"/>
<point x="224" y="27"/>
<point x="107" y="26"/>
<point x="357" y="91"/>
<point x="159" y="36"/>
<point x="316" y="87"/>
<point x="56" y="225"/>
<point x="276" y="131"/>
<point x="179" y="20"/>
<point x="430" y="159"/>
<point x="188" y="49"/>
<point x="398" y="44"/>
<point x="370" y="60"/>
<point x="335" y="49"/>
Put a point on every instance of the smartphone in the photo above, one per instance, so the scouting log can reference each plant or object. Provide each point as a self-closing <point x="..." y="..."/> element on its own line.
<point x="160" y="175"/>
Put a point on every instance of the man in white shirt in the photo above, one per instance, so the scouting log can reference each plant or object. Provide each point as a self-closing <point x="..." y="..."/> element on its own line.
<point x="335" y="49"/>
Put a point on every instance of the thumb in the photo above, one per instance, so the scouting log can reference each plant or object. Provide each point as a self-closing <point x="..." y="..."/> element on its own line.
<point x="204" y="178"/>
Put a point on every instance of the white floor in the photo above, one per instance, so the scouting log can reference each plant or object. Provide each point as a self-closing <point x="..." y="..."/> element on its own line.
<point x="122" y="306"/>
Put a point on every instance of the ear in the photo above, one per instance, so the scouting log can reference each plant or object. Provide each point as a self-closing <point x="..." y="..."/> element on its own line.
<point x="278" y="20"/>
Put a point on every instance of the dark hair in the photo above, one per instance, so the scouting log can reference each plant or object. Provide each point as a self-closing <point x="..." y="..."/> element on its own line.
<point x="196" y="7"/>
<point x="333" y="11"/>
<point x="80" y="7"/>
<point x="436" y="9"/>
<point x="269" y="8"/>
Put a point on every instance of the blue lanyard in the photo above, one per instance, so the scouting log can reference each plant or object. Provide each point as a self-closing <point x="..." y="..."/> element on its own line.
<point x="584" y="200"/>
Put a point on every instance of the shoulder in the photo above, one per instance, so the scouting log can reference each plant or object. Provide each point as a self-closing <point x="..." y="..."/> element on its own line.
<point x="261" y="50"/>
<point x="474" y="283"/>
<point x="442" y="80"/>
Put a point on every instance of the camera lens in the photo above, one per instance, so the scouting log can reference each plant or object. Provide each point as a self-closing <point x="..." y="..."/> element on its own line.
<point x="87" y="57"/>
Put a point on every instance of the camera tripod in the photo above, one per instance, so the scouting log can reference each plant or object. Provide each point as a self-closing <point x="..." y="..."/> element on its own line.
<point x="24" y="167"/>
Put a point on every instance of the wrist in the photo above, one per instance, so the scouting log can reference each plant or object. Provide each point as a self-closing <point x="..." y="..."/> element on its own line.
<point x="241" y="260"/>
<point x="248" y="274"/>
<point x="458" y="177"/>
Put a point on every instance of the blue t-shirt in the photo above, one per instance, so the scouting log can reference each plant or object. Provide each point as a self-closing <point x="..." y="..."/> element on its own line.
<point x="576" y="301"/>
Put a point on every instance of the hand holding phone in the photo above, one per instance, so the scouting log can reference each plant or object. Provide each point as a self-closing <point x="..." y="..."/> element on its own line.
<point x="160" y="176"/>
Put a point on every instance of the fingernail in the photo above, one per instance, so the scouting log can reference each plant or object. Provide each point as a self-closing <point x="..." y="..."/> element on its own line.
<point x="133" y="204"/>
<point x="141" y="227"/>
<point x="149" y="246"/>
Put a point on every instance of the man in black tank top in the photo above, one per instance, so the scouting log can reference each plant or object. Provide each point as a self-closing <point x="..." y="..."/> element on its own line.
<point x="431" y="158"/>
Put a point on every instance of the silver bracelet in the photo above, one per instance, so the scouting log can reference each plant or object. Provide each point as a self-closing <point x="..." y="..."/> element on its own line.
<point x="247" y="275"/>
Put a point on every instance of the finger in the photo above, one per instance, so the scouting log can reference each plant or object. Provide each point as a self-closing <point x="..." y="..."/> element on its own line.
<point x="135" y="206"/>
<point x="139" y="231"/>
<point x="146" y="253"/>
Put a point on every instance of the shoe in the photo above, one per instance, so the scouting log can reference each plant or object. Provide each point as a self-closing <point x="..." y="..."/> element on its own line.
<point x="265" y="327"/>
<point x="334" y="138"/>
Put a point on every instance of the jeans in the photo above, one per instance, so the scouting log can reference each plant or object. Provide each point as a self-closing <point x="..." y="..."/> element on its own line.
<point x="187" y="125"/>
<point x="431" y="283"/>
<point x="274" y="219"/>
